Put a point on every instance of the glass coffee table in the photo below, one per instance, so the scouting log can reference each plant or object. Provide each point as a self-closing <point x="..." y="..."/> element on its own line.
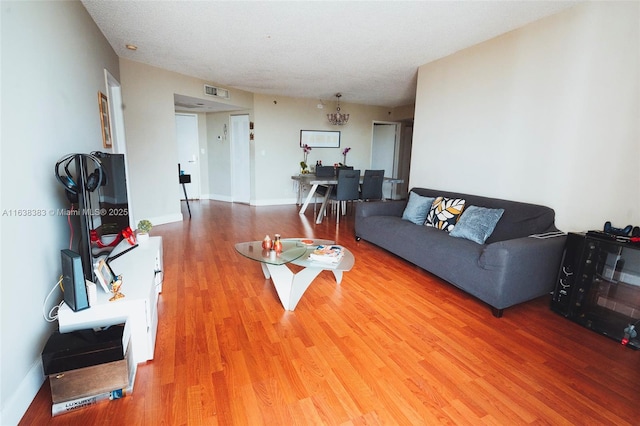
<point x="291" y="286"/>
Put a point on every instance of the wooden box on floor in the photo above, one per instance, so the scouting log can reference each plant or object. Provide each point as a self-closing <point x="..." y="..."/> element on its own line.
<point x="93" y="380"/>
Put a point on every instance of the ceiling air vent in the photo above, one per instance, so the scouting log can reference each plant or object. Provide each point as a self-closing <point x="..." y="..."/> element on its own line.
<point x="216" y="91"/>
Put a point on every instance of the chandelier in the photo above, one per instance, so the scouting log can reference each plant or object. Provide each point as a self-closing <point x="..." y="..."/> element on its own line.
<point x="337" y="118"/>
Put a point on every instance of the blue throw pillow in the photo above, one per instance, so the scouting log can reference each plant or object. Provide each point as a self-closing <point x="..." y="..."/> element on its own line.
<point x="417" y="208"/>
<point x="477" y="223"/>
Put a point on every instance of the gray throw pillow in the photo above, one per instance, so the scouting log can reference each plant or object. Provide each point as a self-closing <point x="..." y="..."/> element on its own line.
<point x="417" y="208"/>
<point x="477" y="223"/>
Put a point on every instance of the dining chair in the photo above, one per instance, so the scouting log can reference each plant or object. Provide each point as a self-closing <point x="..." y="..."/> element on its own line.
<point x="322" y="172"/>
<point x="372" y="185"/>
<point x="347" y="189"/>
<point x="325" y="171"/>
<point x="337" y="169"/>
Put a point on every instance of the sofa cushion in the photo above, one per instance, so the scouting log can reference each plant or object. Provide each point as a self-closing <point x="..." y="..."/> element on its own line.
<point x="477" y="223"/>
<point x="519" y="219"/>
<point x="444" y="213"/>
<point x="417" y="208"/>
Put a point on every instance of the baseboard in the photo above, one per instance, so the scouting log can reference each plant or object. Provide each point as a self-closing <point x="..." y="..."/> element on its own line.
<point x="159" y="220"/>
<point x="218" y="197"/>
<point x="272" y="202"/>
<point x="276" y="202"/>
<point x="228" y="199"/>
<point x="19" y="401"/>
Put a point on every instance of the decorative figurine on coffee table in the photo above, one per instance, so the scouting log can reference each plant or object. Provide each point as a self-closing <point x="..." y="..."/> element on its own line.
<point x="266" y="243"/>
<point x="277" y="244"/>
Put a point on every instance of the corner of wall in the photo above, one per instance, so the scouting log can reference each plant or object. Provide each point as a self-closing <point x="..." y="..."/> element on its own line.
<point x="19" y="401"/>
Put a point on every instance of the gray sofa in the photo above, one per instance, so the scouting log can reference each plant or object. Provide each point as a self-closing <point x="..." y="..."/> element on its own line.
<point x="511" y="267"/>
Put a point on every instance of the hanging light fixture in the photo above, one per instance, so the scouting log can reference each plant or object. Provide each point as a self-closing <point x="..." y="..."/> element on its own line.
<point x="338" y="118"/>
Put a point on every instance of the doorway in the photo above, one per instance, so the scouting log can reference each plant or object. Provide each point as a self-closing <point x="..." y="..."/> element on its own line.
<point x="240" y="159"/>
<point x="188" y="147"/>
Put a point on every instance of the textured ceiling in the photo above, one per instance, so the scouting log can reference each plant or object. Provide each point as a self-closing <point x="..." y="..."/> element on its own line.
<point x="368" y="51"/>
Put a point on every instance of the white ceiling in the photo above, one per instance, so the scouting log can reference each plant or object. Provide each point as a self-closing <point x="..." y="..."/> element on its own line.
<point x="367" y="50"/>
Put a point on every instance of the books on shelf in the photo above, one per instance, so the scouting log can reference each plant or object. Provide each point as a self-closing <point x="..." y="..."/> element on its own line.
<point x="327" y="254"/>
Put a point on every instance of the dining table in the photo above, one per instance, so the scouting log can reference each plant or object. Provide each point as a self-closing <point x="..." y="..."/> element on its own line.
<point x="311" y="180"/>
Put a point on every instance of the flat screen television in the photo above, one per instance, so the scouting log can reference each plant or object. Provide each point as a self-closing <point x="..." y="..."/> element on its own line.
<point x="96" y="186"/>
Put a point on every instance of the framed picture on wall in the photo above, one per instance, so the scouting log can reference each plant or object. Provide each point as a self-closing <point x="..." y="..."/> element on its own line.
<point x="320" y="138"/>
<point x="104" y="120"/>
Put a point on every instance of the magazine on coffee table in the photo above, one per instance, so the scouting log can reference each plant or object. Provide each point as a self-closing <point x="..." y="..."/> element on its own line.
<point x="327" y="254"/>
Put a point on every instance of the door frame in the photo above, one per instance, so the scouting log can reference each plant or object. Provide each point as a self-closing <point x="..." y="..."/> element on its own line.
<point x="396" y="152"/>
<point x="119" y="143"/>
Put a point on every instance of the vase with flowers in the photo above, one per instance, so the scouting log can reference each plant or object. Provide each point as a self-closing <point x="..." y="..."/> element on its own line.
<point x="304" y="168"/>
<point x="344" y="155"/>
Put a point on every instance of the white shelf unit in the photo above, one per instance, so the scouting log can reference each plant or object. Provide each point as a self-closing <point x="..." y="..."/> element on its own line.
<point x="142" y="276"/>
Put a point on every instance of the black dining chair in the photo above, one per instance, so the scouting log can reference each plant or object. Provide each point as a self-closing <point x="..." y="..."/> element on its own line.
<point x="372" y="185"/>
<point x="342" y="168"/>
<point x="347" y="189"/>
<point x="327" y="172"/>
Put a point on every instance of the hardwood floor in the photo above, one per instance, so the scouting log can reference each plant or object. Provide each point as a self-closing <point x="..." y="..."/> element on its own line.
<point x="391" y="345"/>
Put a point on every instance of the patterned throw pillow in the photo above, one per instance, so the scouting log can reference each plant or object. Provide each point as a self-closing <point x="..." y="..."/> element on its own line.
<point x="444" y="213"/>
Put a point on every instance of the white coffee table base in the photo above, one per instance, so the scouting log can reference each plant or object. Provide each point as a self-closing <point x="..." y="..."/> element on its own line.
<point x="289" y="286"/>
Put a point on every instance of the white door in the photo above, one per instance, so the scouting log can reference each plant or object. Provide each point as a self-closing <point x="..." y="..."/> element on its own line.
<point x="240" y="159"/>
<point x="384" y="153"/>
<point x="188" y="158"/>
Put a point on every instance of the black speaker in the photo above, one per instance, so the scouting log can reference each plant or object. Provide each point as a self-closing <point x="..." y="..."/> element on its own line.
<point x="73" y="285"/>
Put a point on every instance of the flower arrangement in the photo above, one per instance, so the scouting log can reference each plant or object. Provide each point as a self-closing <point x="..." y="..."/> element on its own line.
<point x="303" y="164"/>
<point x="344" y="155"/>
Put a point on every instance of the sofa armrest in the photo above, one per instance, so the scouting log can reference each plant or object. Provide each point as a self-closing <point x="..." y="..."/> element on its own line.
<point x="380" y="208"/>
<point x="529" y="267"/>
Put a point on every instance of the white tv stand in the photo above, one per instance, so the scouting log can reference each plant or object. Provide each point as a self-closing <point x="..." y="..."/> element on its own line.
<point x="142" y="274"/>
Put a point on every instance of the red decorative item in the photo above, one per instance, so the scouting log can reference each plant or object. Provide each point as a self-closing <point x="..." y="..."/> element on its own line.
<point x="95" y="239"/>
<point x="277" y="244"/>
<point x="267" y="243"/>
<point x="129" y="235"/>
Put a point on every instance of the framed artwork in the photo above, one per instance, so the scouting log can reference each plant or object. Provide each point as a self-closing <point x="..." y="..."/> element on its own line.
<point x="105" y="275"/>
<point x="104" y="120"/>
<point x="320" y="138"/>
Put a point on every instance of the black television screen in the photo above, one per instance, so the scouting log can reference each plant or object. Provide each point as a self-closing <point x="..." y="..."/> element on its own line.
<point x="112" y="194"/>
<point x="100" y="208"/>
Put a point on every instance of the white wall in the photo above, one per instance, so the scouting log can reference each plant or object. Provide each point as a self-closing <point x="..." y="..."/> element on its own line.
<point x="149" y="111"/>
<point x="149" y="115"/>
<point x="53" y="61"/>
<point x="548" y="113"/>
<point x="276" y="148"/>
